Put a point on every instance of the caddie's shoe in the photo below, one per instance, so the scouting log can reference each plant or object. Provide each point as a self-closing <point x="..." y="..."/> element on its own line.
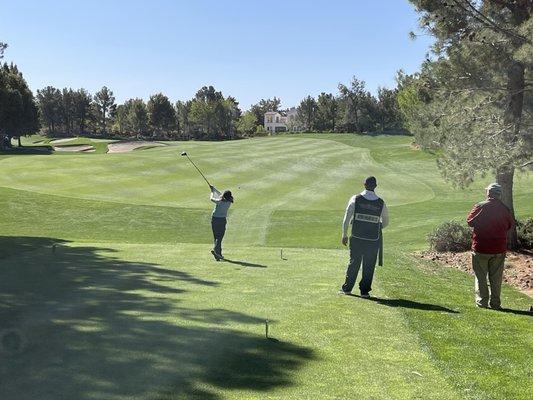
<point x="365" y="296"/>
<point x="497" y="308"/>
<point x="481" y="306"/>
<point x="217" y="256"/>
<point x="343" y="292"/>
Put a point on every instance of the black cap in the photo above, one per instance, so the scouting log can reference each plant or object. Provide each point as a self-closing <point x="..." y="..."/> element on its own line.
<point x="370" y="183"/>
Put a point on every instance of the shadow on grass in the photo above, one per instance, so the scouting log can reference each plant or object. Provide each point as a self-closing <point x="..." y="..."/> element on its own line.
<point x="95" y="326"/>
<point x="29" y="150"/>
<point x="517" y="312"/>
<point x="404" y="303"/>
<point x="244" y="263"/>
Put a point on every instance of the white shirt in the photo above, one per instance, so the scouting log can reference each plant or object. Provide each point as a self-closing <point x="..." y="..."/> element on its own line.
<point x="350" y="208"/>
<point x="221" y="207"/>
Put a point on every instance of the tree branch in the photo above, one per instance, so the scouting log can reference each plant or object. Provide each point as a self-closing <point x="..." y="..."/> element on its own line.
<point x="485" y="20"/>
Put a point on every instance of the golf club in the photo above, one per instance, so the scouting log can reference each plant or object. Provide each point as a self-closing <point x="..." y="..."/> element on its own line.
<point x="198" y="169"/>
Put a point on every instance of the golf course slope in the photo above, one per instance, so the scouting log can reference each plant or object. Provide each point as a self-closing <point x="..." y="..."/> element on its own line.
<point x="108" y="290"/>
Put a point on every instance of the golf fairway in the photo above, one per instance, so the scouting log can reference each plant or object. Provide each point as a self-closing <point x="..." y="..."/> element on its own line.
<point x="107" y="282"/>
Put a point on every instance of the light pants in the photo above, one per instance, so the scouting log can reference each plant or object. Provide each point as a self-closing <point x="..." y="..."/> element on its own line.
<point x="491" y="266"/>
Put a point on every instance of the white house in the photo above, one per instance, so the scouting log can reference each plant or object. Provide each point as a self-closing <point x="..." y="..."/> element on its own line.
<point x="280" y="121"/>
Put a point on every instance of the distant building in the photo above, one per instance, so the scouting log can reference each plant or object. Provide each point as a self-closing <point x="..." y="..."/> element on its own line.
<point x="281" y="121"/>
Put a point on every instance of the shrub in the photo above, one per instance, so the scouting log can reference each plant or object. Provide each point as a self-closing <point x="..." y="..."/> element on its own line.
<point x="525" y="233"/>
<point x="450" y="236"/>
<point x="260" y="131"/>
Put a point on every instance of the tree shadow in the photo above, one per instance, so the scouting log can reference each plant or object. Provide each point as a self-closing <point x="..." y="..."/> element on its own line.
<point x="29" y="150"/>
<point x="529" y="313"/>
<point x="410" y="304"/>
<point x="244" y="263"/>
<point x="16" y="245"/>
<point x="96" y="326"/>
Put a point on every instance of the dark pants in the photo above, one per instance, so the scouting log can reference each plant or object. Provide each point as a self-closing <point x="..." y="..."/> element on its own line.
<point x="364" y="251"/>
<point x="219" y="229"/>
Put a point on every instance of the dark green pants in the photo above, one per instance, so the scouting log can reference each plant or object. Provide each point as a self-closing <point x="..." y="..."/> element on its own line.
<point x="219" y="229"/>
<point x="363" y="252"/>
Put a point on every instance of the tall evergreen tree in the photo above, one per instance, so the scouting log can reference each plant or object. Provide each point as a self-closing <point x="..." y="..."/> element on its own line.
<point x="138" y="116"/>
<point x="161" y="114"/>
<point x="479" y="110"/>
<point x="352" y="99"/>
<point x="232" y="113"/>
<point x="327" y="108"/>
<point x="105" y="106"/>
<point x="205" y="112"/>
<point x="183" y="109"/>
<point x="68" y="110"/>
<point x="121" y="122"/>
<point x="49" y="100"/>
<point x="389" y="117"/>
<point x="307" y="113"/>
<point x="82" y="109"/>
<point x="18" y="111"/>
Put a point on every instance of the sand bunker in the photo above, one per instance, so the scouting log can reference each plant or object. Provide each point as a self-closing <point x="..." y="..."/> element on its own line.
<point x="124" y="147"/>
<point x="75" y="148"/>
<point x="62" y="140"/>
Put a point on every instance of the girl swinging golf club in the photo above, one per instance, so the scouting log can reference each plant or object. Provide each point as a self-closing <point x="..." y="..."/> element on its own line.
<point x="218" y="220"/>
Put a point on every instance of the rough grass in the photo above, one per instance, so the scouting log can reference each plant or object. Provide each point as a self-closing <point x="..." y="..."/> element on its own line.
<point x="106" y="276"/>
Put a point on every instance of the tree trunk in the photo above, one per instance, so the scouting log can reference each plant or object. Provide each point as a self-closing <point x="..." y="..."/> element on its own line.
<point x="505" y="176"/>
<point x="356" y="110"/>
<point x="505" y="173"/>
<point x="20" y="144"/>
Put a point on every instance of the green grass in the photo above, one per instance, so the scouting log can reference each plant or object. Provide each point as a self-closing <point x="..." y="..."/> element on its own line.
<point x="106" y="277"/>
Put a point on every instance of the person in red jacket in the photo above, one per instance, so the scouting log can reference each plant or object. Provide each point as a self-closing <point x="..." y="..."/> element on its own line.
<point x="491" y="220"/>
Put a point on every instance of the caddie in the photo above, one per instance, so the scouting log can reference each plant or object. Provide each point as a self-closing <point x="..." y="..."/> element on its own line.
<point x="368" y="214"/>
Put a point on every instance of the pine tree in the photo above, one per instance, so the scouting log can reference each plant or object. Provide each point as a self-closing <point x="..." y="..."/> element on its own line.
<point x="161" y="114"/>
<point x="49" y="101"/>
<point x="82" y="109"/>
<point x="480" y="109"/>
<point x="307" y="113"/>
<point x="105" y="106"/>
<point x="18" y="111"/>
<point x="327" y="107"/>
<point x="351" y="98"/>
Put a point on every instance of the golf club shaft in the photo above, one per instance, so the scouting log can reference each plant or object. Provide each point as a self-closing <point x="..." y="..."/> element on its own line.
<point x="198" y="169"/>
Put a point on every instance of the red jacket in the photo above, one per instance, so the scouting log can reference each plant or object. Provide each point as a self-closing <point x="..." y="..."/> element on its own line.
<point x="491" y="220"/>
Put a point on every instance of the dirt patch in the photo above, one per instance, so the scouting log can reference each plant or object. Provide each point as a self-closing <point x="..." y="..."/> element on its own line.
<point x="518" y="270"/>
<point x="75" y="148"/>
<point x="124" y="147"/>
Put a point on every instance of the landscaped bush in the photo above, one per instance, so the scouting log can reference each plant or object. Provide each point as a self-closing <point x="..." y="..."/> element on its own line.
<point x="450" y="236"/>
<point x="525" y="233"/>
<point x="260" y="131"/>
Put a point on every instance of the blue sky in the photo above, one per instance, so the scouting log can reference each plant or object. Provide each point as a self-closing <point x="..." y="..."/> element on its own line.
<point x="245" y="48"/>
